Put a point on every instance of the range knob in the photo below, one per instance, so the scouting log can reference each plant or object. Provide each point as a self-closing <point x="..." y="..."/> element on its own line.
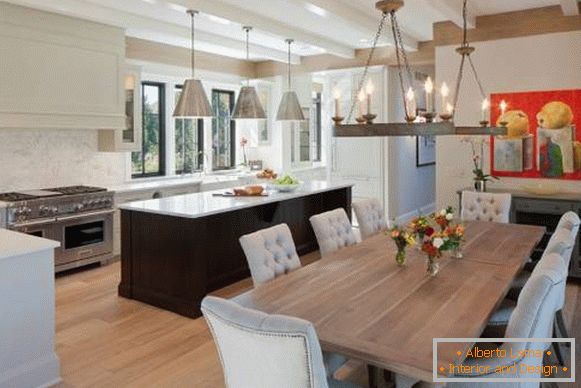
<point x="44" y="210"/>
<point x="79" y="207"/>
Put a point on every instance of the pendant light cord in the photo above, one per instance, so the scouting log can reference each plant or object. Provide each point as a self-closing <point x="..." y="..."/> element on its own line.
<point x="289" y="41"/>
<point x="247" y="29"/>
<point x="193" y="52"/>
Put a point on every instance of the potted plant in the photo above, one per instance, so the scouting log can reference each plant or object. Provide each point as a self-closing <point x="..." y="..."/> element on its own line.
<point x="480" y="178"/>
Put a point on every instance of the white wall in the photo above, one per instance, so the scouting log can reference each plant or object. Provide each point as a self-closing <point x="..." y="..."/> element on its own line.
<point x="411" y="189"/>
<point x="543" y="62"/>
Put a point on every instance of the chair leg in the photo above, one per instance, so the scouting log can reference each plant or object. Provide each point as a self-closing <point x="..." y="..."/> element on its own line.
<point x="560" y="322"/>
<point x="557" y="349"/>
<point x="372" y="376"/>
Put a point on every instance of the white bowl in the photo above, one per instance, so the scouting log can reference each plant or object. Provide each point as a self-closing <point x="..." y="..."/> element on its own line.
<point x="285" y="188"/>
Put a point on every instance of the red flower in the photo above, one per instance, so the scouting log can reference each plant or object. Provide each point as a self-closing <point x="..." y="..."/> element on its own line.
<point x="429" y="231"/>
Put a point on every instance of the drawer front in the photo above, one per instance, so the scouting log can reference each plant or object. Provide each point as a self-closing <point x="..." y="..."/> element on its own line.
<point x="540" y="206"/>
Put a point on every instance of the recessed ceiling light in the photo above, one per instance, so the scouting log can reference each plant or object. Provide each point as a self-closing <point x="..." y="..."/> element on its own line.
<point x="316" y="10"/>
<point x="219" y="20"/>
<point x="150" y="1"/>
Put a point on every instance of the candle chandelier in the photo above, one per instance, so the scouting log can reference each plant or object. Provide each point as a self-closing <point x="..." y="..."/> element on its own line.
<point x="430" y="125"/>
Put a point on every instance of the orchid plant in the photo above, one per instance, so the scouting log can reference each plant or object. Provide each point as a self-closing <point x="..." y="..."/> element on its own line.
<point x="477" y="146"/>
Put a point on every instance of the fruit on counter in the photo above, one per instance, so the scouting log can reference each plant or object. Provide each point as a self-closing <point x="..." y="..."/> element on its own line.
<point x="286" y="180"/>
<point x="267" y="173"/>
<point x="249" y="190"/>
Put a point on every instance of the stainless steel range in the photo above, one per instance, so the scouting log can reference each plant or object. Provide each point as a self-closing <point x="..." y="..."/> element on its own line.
<point x="80" y="217"/>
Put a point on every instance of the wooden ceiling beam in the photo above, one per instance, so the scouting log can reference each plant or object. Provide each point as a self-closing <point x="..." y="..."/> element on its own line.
<point x="515" y="24"/>
<point x="451" y="10"/>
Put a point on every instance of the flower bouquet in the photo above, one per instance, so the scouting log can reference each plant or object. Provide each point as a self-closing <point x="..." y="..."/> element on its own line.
<point x="455" y="235"/>
<point x="444" y="217"/>
<point x="434" y="244"/>
<point x="419" y="226"/>
<point x="402" y="239"/>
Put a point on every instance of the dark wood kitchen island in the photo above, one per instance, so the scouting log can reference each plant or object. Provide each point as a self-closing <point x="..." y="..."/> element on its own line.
<point x="176" y="250"/>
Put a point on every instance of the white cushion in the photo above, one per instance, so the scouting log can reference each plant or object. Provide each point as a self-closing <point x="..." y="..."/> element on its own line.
<point x="370" y="217"/>
<point x="270" y="253"/>
<point x="333" y="231"/>
<point x="489" y="207"/>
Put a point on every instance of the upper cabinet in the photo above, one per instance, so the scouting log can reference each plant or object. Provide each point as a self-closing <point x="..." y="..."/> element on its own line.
<point x="59" y="72"/>
<point x="128" y="139"/>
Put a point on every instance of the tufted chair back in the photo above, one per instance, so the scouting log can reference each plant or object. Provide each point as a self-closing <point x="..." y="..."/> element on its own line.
<point x="370" y="216"/>
<point x="570" y="221"/>
<point x="489" y="207"/>
<point x="270" y="253"/>
<point x="537" y="302"/>
<point x="333" y="231"/>
<point x="261" y="350"/>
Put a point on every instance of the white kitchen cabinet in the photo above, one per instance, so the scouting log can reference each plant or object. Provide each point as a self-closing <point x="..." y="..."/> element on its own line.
<point x="128" y="139"/>
<point x="59" y="72"/>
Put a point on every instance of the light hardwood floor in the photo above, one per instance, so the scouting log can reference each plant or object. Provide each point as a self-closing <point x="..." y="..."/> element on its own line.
<point x="107" y="341"/>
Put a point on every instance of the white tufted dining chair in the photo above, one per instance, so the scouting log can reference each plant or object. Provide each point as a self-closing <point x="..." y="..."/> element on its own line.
<point x="270" y="253"/>
<point x="491" y="207"/>
<point x="333" y="231"/>
<point x="532" y="318"/>
<point x="258" y="350"/>
<point x="370" y="216"/>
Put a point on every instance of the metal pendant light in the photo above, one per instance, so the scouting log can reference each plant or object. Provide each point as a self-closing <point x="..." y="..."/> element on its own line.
<point x="248" y="105"/>
<point x="290" y="108"/>
<point x="193" y="102"/>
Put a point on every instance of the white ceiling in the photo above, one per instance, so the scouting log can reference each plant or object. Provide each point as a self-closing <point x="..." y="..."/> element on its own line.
<point x="318" y="26"/>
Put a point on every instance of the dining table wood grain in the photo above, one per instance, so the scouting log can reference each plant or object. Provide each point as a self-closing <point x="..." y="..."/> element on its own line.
<point x="365" y="306"/>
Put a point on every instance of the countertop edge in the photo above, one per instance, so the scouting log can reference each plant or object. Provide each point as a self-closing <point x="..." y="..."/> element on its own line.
<point x="263" y="201"/>
<point x="19" y="244"/>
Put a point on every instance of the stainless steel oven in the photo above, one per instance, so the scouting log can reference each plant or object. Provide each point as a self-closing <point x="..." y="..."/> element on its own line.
<point x="83" y="237"/>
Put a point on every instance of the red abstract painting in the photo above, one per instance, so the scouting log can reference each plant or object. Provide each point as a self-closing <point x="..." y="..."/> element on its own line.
<point x="544" y="139"/>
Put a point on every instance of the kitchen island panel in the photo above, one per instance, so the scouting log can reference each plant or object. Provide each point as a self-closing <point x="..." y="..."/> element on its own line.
<point x="172" y="262"/>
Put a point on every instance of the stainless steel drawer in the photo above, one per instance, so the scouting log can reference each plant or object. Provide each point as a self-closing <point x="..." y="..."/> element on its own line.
<point x="540" y="206"/>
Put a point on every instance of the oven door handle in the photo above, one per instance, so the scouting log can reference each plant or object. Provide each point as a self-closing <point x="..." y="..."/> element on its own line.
<point x="26" y="224"/>
<point x="85" y="215"/>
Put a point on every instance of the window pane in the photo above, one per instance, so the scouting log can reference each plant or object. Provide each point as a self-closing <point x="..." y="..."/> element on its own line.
<point x="188" y="142"/>
<point x="149" y="161"/>
<point x="222" y="130"/>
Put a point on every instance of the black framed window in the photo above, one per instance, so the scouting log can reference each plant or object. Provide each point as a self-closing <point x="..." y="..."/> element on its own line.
<point x="151" y="159"/>
<point x="189" y="142"/>
<point x="223" y="130"/>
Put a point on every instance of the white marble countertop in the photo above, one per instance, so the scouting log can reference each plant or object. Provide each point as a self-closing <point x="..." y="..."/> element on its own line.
<point x="17" y="244"/>
<point x="205" y="203"/>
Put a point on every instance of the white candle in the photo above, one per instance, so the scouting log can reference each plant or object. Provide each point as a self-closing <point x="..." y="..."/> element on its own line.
<point x="449" y="109"/>
<point x="411" y="106"/>
<point x="429" y="87"/>
<point x="445" y="92"/>
<point x="337" y="96"/>
<point x="369" y="90"/>
<point x="485" y="106"/>
<point x="361" y="98"/>
<point x="503" y="106"/>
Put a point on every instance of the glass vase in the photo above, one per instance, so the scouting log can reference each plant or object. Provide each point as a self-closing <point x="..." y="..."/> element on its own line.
<point x="433" y="266"/>
<point x="457" y="252"/>
<point x="400" y="257"/>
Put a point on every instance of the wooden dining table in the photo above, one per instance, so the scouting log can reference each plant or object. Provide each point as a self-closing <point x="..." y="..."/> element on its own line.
<point x="365" y="306"/>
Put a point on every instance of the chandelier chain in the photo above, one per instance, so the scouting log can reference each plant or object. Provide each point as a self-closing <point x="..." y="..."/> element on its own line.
<point x="368" y="63"/>
<point x="401" y="55"/>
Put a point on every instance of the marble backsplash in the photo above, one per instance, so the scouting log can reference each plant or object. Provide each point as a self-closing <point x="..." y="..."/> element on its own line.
<point x="39" y="158"/>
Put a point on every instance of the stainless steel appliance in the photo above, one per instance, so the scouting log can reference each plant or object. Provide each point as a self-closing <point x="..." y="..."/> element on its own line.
<point x="79" y="217"/>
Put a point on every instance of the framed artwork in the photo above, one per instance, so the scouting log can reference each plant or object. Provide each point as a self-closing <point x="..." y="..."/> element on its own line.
<point x="425" y="151"/>
<point x="263" y="126"/>
<point x="544" y="133"/>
